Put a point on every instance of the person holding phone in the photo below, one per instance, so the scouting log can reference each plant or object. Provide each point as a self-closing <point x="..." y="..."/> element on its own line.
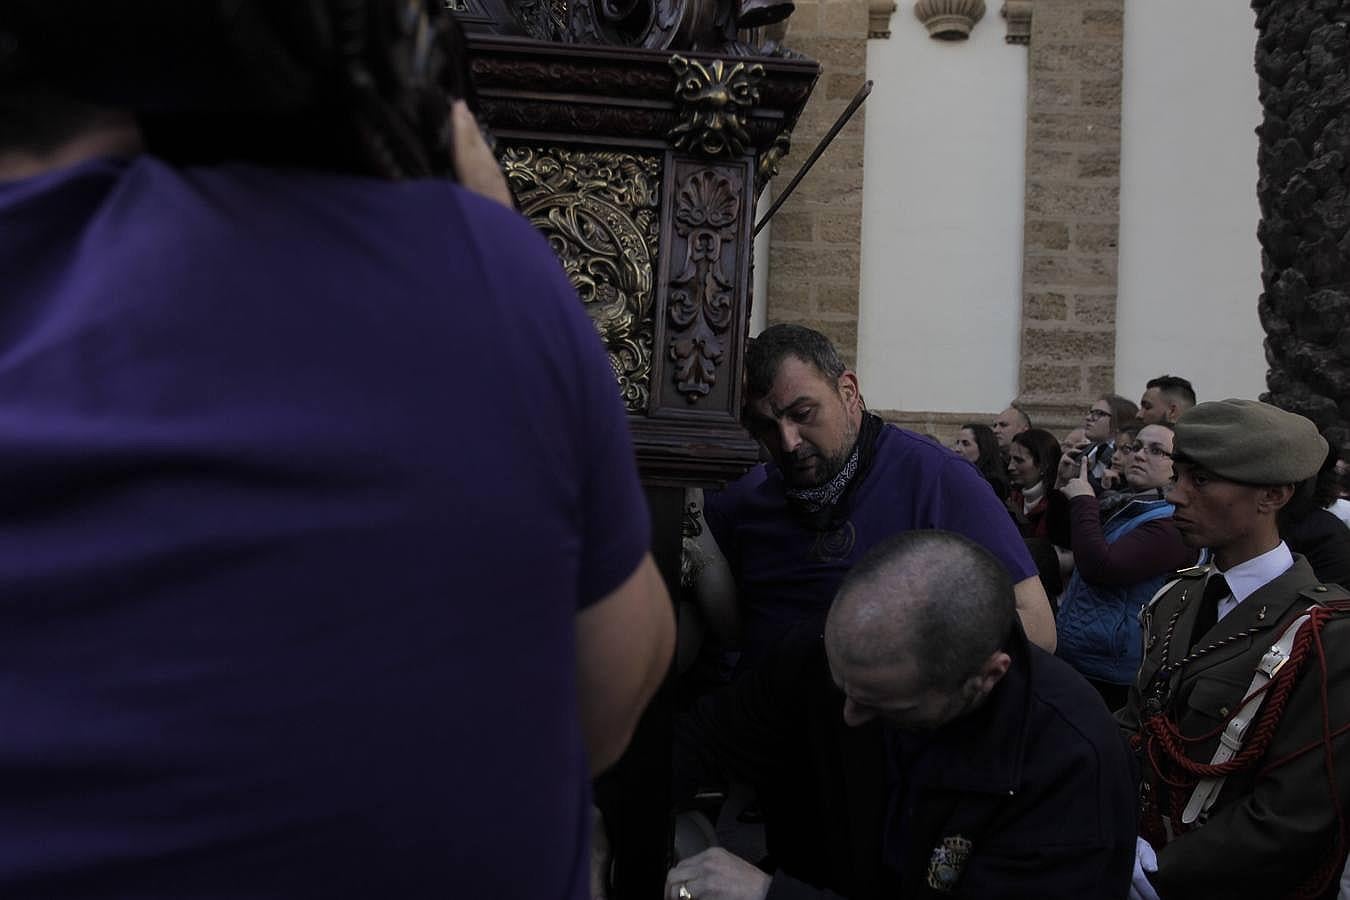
<point x="1119" y="564"/>
<point x="1108" y="413"/>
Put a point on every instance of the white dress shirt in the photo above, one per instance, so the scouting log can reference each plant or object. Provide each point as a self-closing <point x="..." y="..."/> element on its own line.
<point x="1341" y="510"/>
<point x="1247" y="578"/>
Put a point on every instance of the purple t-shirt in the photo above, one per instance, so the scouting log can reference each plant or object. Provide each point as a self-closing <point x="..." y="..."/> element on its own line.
<point x="304" y="480"/>
<point x="787" y="573"/>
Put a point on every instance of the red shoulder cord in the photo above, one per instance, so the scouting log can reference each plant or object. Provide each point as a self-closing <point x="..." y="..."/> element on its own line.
<point x="1166" y="747"/>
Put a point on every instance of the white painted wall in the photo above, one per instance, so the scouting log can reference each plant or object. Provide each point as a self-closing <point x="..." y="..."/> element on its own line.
<point x="944" y="149"/>
<point x="1190" y="264"/>
<point x="759" y="305"/>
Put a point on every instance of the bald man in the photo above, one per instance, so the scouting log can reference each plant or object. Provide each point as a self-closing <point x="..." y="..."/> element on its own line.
<point x="1008" y="425"/>
<point x="932" y="749"/>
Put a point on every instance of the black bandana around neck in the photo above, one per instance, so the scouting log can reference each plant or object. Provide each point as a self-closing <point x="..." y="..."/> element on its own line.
<point x="818" y="504"/>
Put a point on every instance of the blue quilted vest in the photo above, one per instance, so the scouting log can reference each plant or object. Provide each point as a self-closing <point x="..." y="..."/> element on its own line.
<point x="1098" y="626"/>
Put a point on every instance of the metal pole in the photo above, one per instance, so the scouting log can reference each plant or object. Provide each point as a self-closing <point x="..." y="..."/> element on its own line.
<point x="838" y="126"/>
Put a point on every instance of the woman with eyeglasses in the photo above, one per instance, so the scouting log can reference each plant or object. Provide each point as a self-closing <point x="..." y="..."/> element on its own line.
<point x="1119" y="564"/>
<point x="1113" y="479"/>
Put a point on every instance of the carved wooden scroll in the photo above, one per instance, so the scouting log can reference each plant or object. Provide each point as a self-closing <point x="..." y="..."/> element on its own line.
<point x="641" y="169"/>
<point x="599" y="211"/>
<point x="702" y="294"/>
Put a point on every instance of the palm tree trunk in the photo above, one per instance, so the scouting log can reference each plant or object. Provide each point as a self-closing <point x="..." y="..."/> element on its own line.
<point x="1303" y="60"/>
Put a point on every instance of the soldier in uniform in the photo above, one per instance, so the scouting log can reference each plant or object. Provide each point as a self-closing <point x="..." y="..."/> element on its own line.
<point x="1239" y="710"/>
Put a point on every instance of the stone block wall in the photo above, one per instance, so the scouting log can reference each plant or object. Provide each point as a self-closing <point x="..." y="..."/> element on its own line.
<point x="814" y="264"/>
<point x="1072" y="206"/>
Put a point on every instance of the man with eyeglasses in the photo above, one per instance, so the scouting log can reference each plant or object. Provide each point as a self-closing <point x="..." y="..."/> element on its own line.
<point x="1239" y="712"/>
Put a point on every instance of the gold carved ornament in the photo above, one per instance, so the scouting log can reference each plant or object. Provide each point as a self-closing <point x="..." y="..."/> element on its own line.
<point x="598" y="211"/>
<point x="771" y="158"/>
<point x="714" y="100"/>
<point x="702" y="294"/>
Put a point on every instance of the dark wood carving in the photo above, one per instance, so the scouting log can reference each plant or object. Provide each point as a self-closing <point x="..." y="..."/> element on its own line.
<point x="572" y="69"/>
<point x="534" y="116"/>
<point x="707" y="297"/>
<point x="715" y="100"/>
<point x="566" y="75"/>
<point x="713" y="26"/>
<point x="665" y="272"/>
<point x="702" y="294"/>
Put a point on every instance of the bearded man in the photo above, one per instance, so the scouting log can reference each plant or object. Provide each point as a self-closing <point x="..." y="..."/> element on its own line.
<point x="839" y="481"/>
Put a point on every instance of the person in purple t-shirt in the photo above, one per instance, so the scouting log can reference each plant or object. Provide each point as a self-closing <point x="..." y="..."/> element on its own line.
<point x="324" y="555"/>
<point x="839" y="482"/>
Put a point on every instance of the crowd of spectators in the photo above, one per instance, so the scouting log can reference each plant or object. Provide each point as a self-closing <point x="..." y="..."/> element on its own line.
<point x="1097" y="496"/>
<point x="1097" y="512"/>
<point x="271" y="630"/>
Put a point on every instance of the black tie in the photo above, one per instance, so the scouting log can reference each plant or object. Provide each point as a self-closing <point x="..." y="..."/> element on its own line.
<point x="1216" y="588"/>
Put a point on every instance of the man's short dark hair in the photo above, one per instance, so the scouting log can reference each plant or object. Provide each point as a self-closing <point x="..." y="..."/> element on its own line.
<point x="1175" y="386"/>
<point x="959" y="604"/>
<point x="776" y="343"/>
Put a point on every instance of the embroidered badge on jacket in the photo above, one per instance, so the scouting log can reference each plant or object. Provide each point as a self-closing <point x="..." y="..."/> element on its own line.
<point x="949" y="859"/>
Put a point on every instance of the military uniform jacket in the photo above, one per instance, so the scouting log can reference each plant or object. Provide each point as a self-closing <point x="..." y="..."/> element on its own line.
<point x="1265" y="832"/>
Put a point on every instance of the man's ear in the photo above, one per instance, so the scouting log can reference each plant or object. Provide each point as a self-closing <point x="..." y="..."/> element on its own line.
<point x="992" y="672"/>
<point x="1274" y="497"/>
<point x="848" y="389"/>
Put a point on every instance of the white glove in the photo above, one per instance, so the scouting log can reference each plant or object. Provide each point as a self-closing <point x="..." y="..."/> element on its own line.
<point x="1145" y="860"/>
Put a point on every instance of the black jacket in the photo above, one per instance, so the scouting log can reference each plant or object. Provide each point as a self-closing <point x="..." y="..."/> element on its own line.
<point x="1325" y="541"/>
<point x="1037" y="780"/>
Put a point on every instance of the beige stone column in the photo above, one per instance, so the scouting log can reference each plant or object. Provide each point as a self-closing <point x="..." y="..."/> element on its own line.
<point x="814" y="273"/>
<point x="1072" y="207"/>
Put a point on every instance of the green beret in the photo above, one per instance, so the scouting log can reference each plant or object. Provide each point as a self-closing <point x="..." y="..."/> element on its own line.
<point x="1256" y="443"/>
